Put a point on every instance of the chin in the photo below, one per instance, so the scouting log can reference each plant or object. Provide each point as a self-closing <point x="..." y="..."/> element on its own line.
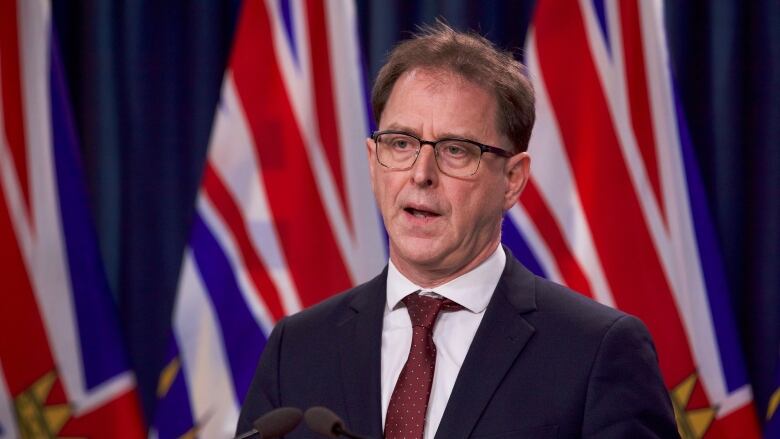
<point x="423" y="252"/>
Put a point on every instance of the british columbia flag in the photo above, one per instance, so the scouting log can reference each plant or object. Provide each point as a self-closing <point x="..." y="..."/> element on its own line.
<point x="63" y="372"/>
<point x="615" y="209"/>
<point x="285" y="216"/>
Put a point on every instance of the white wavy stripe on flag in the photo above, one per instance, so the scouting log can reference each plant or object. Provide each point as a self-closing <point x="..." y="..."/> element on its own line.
<point x="214" y="406"/>
<point x="522" y="220"/>
<point x="734" y="401"/>
<point x="108" y="390"/>
<point x="691" y="288"/>
<point x="299" y="86"/>
<point x="8" y="429"/>
<point x="232" y="155"/>
<point x="253" y="298"/>
<point x="34" y="25"/>
<point x="14" y="199"/>
<point x="367" y="256"/>
<point x="552" y="173"/>
<point x="48" y="269"/>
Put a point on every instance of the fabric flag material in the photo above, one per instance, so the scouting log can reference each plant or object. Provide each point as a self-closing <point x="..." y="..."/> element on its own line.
<point x="63" y="372"/>
<point x="285" y="216"/>
<point x="615" y="208"/>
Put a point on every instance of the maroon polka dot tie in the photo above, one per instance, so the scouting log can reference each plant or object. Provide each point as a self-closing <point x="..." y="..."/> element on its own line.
<point x="405" y="416"/>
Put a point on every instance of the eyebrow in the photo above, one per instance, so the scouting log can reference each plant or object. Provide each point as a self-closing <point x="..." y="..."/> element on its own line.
<point x="445" y="135"/>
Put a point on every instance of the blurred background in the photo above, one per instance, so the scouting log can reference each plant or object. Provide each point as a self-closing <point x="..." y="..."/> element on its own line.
<point x="144" y="79"/>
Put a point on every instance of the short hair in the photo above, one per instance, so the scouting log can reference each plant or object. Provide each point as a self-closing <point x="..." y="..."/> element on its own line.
<point x="476" y="59"/>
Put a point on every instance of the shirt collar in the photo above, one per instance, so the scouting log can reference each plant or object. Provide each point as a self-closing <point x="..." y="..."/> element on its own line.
<point x="471" y="290"/>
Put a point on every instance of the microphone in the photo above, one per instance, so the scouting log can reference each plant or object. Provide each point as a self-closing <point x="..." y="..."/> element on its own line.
<point x="275" y="423"/>
<point x="325" y="422"/>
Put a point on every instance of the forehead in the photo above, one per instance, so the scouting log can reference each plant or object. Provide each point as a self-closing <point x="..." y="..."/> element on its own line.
<point x="438" y="103"/>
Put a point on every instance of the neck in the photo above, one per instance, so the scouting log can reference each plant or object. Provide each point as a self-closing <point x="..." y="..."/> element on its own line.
<point x="432" y="277"/>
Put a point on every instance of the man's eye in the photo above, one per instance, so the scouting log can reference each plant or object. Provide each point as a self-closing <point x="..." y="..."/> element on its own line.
<point x="455" y="150"/>
<point x="400" y="144"/>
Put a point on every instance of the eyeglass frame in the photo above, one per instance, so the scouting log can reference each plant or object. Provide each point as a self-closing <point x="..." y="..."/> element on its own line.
<point x="482" y="149"/>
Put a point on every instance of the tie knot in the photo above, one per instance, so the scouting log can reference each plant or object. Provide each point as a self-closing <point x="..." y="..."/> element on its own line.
<point x="423" y="310"/>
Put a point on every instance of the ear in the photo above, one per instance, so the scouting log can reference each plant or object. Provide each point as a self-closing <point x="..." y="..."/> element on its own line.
<point x="517" y="172"/>
<point x="371" y="156"/>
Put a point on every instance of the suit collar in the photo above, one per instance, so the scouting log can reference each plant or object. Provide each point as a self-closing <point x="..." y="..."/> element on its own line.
<point x="471" y="290"/>
<point x="501" y="337"/>
<point x="360" y="335"/>
<point x="518" y="285"/>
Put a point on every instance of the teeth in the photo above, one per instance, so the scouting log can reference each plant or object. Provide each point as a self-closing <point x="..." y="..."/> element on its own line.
<point x="419" y="213"/>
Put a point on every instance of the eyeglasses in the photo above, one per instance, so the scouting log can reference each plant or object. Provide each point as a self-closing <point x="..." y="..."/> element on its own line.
<point x="454" y="157"/>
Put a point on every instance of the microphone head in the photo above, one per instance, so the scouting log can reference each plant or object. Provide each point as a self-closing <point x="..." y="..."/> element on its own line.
<point x="323" y="421"/>
<point x="278" y="422"/>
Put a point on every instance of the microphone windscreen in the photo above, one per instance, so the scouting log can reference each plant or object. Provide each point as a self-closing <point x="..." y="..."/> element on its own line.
<point x="278" y="422"/>
<point x="323" y="421"/>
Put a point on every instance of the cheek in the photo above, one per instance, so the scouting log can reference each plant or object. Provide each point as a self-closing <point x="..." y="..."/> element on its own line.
<point x="477" y="208"/>
<point x="385" y="190"/>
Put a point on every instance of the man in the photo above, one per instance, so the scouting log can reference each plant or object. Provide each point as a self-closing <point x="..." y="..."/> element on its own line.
<point x="455" y="338"/>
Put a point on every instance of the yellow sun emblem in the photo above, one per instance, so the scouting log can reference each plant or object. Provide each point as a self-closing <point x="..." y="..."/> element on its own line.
<point x="36" y="419"/>
<point x="691" y="423"/>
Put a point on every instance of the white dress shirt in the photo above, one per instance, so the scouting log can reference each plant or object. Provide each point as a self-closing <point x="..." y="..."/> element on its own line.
<point x="452" y="333"/>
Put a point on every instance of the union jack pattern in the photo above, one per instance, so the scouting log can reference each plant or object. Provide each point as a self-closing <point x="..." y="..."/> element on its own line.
<point x="285" y="216"/>
<point x="63" y="371"/>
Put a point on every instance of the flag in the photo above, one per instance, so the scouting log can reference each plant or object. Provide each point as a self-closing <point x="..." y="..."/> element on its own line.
<point x="285" y="215"/>
<point x="63" y="372"/>
<point x="615" y="208"/>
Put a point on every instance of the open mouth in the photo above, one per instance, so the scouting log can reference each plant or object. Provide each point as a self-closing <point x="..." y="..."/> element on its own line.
<point x="419" y="213"/>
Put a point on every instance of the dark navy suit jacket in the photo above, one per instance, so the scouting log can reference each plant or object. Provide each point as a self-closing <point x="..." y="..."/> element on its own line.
<point x="545" y="362"/>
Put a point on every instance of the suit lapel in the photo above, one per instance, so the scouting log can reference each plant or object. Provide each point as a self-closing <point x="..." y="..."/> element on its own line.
<point x="360" y="336"/>
<point x="499" y="340"/>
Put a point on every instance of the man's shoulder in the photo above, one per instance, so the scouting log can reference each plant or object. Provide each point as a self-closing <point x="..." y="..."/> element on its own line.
<point x="342" y="305"/>
<point x="558" y="306"/>
<point x="554" y="297"/>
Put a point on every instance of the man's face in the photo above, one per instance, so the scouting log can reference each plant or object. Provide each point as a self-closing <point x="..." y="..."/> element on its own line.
<point x="442" y="226"/>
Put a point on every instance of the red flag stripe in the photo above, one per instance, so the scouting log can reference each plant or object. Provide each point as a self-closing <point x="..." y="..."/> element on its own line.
<point x="740" y="423"/>
<point x="13" y="108"/>
<point x="305" y="233"/>
<point x="621" y="237"/>
<point x="323" y="95"/>
<point x="228" y="209"/>
<point x="20" y="320"/>
<point x="117" y="418"/>
<point x="550" y="230"/>
<point x="638" y="98"/>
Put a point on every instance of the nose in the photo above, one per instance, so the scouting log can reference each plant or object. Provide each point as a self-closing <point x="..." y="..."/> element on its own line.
<point x="425" y="171"/>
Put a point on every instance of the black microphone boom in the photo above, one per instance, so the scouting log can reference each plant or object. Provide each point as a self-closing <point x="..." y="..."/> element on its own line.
<point x="325" y="422"/>
<point x="274" y="424"/>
